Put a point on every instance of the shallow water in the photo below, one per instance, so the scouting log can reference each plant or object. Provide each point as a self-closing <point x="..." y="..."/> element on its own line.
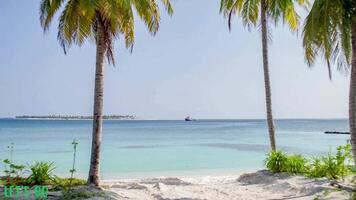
<point x="144" y="148"/>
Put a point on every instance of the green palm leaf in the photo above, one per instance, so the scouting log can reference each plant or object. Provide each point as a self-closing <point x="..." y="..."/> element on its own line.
<point x="78" y="20"/>
<point x="327" y="32"/>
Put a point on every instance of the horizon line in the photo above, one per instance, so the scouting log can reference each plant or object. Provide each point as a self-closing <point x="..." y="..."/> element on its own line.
<point x="174" y="119"/>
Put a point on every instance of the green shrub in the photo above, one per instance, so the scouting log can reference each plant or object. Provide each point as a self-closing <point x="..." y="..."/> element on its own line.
<point x="41" y="173"/>
<point x="12" y="170"/>
<point x="316" y="169"/>
<point x="338" y="166"/>
<point x="276" y="161"/>
<point x="61" y="183"/>
<point x="344" y="159"/>
<point x="352" y="169"/>
<point x="12" y="181"/>
<point x="344" y="155"/>
<point x="75" y="144"/>
<point x="331" y="166"/>
<point x="13" y="173"/>
<point x="296" y="164"/>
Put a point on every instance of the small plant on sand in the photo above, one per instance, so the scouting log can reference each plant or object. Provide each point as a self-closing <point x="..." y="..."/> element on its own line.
<point x="41" y="173"/>
<point x="276" y="161"/>
<point x="67" y="183"/>
<point x="353" y="194"/>
<point x="344" y="157"/>
<point x="12" y="171"/>
<point x="75" y="144"/>
<point x="296" y="164"/>
<point x="316" y="169"/>
<point x="336" y="166"/>
<point x="334" y="169"/>
<point x="11" y="150"/>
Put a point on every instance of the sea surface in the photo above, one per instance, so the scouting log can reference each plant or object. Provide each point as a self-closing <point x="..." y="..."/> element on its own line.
<point x="139" y="148"/>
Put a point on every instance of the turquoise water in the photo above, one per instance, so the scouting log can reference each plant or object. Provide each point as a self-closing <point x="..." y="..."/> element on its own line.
<point x="137" y="148"/>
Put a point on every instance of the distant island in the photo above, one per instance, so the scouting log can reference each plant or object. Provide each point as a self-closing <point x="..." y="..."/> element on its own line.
<point x="74" y="117"/>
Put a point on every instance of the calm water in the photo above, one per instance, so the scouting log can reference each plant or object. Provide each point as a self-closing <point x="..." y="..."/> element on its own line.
<point x="135" y="148"/>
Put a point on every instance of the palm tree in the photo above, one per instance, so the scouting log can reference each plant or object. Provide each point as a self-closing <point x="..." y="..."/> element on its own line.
<point x="103" y="21"/>
<point x="249" y="10"/>
<point x="330" y="30"/>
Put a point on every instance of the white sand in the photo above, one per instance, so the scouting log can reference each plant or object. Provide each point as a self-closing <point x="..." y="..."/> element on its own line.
<point x="252" y="186"/>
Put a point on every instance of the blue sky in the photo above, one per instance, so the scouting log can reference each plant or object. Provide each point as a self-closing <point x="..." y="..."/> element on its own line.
<point x="192" y="66"/>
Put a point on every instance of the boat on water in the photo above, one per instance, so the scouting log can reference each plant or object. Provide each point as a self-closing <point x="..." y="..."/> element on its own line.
<point x="187" y="119"/>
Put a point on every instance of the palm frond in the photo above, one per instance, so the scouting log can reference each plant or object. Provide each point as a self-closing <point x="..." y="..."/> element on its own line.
<point x="231" y="7"/>
<point x="327" y="31"/>
<point x="291" y="16"/>
<point x="168" y="6"/>
<point x="47" y="10"/>
<point x="79" y="20"/>
<point x="249" y="10"/>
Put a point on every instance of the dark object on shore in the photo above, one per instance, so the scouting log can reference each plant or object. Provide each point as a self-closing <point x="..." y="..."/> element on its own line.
<point x="336" y="132"/>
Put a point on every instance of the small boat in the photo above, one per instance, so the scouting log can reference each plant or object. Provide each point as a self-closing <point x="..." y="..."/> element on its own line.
<point x="188" y="119"/>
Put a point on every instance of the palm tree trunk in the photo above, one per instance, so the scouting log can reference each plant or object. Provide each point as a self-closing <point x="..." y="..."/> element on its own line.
<point x="94" y="171"/>
<point x="266" y="74"/>
<point x="352" y="95"/>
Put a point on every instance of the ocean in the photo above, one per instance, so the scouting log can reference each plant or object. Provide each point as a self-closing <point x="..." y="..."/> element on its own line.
<point x="137" y="148"/>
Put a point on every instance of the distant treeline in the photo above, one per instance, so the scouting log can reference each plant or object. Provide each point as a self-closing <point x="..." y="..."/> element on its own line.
<point x="74" y="117"/>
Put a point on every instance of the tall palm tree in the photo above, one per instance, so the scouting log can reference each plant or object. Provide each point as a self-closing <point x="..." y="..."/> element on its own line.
<point x="330" y="30"/>
<point x="254" y="11"/>
<point x="103" y="21"/>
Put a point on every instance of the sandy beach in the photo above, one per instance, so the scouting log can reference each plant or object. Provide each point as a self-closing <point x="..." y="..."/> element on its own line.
<point x="248" y="186"/>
